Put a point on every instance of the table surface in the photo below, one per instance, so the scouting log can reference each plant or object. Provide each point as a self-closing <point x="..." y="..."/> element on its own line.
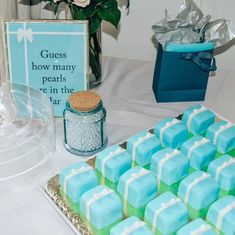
<point x="131" y="107"/>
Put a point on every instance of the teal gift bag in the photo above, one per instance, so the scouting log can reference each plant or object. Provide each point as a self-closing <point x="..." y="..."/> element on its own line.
<point x="182" y="71"/>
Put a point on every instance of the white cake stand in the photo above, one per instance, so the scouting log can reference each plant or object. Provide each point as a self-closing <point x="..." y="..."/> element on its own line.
<point x="27" y="143"/>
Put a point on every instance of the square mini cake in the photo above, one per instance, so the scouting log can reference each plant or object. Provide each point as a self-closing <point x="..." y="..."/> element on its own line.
<point x="171" y="132"/>
<point x="75" y="180"/>
<point x="166" y="214"/>
<point x="200" y="152"/>
<point x="222" y="215"/>
<point x="111" y="163"/>
<point x="196" y="227"/>
<point x="101" y="209"/>
<point x="222" y="134"/>
<point x="198" y="118"/>
<point x="131" y="226"/>
<point x="170" y="166"/>
<point x="198" y="191"/>
<point x="137" y="187"/>
<point x="223" y="171"/>
<point x="141" y="147"/>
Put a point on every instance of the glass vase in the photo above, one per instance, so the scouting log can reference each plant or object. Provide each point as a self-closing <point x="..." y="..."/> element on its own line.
<point x="95" y="54"/>
<point x="95" y="59"/>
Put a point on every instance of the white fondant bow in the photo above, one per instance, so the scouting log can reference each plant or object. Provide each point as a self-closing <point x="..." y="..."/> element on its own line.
<point x="222" y="213"/>
<point x="202" y="229"/>
<point x="172" y="202"/>
<point x="168" y="125"/>
<point x="25" y="33"/>
<point x="193" y="114"/>
<point x="201" y="142"/>
<point x="75" y="172"/>
<point x="112" y="154"/>
<point x="96" y="197"/>
<point x="163" y="207"/>
<point x="137" y="225"/>
<point x="195" y="145"/>
<point x="138" y="142"/>
<point x="223" y="166"/>
<point x="220" y="130"/>
<point x="141" y="173"/>
<point x="166" y="158"/>
<point x="194" y="183"/>
<point x="133" y="177"/>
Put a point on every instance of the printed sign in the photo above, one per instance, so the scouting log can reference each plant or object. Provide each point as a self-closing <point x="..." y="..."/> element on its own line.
<point x="50" y="56"/>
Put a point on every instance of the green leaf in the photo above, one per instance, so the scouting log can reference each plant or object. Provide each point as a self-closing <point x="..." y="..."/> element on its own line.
<point x="49" y="7"/>
<point x="111" y="4"/>
<point x="95" y="65"/>
<point x="88" y="11"/>
<point x="111" y="15"/>
<point x="55" y="7"/>
<point x="30" y="2"/>
<point x="94" y="24"/>
<point x="78" y="13"/>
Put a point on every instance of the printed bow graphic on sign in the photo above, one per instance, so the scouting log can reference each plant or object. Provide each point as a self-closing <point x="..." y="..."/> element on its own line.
<point x="25" y="34"/>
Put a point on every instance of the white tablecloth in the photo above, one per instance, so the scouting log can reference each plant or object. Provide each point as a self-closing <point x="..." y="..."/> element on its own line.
<point x="127" y="95"/>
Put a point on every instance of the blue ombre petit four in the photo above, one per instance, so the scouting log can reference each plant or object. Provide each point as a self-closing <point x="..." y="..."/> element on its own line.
<point x="196" y="227"/>
<point x="166" y="214"/>
<point x="222" y="134"/>
<point x="131" y="226"/>
<point x="101" y="209"/>
<point x="198" y="191"/>
<point x="222" y="170"/>
<point x="200" y="152"/>
<point x="75" y="180"/>
<point x="111" y="163"/>
<point x="198" y="118"/>
<point x="170" y="166"/>
<point x="171" y="132"/>
<point x="221" y="215"/>
<point x="137" y="187"/>
<point x="141" y="147"/>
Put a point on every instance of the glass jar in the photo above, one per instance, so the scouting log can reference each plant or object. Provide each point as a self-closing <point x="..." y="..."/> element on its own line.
<point x="84" y="131"/>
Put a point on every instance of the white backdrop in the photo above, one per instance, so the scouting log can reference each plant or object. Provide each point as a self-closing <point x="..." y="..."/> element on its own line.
<point x="134" y="39"/>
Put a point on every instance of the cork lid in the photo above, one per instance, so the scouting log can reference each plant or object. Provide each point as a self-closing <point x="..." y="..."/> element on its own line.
<point x="84" y="101"/>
